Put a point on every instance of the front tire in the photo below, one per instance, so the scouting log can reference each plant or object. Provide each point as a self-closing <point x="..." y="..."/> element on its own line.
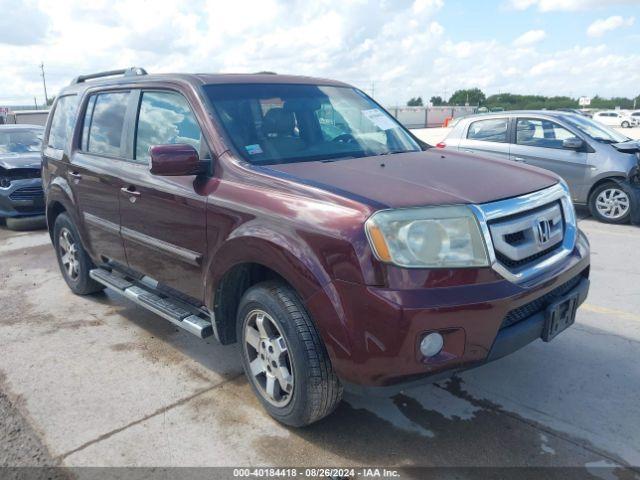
<point x="609" y="203"/>
<point x="73" y="260"/>
<point x="284" y="357"/>
<point x="626" y="124"/>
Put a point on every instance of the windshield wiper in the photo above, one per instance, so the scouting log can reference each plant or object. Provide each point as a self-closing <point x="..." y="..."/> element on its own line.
<point x="391" y="152"/>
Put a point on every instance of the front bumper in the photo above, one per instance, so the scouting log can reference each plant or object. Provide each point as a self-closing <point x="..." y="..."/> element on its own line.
<point x="374" y="334"/>
<point x="632" y="189"/>
<point x="22" y="198"/>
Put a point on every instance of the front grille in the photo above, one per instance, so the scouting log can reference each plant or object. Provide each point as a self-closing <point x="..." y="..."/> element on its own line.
<point x="515" y="264"/>
<point x="8" y="176"/>
<point x="539" y="304"/>
<point x="27" y="193"/>
<point x="516" y="238"/>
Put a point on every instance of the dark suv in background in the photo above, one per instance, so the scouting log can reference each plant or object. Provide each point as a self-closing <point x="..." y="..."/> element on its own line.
<point x="21" y="195"/>
<point x="296" y="216"/>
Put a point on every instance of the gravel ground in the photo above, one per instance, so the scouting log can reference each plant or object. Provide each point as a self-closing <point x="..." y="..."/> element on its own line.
<point x="22" y="454"/>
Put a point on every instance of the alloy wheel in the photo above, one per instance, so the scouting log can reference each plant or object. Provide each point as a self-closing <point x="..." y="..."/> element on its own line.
<point x="612" y="203"/>
<point x="268" y="358"/>
<point x="69" y="254"/>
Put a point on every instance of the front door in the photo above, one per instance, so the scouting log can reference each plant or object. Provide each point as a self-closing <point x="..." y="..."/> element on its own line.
<point x="163" y="219"/>
<point x="538" y="142"/>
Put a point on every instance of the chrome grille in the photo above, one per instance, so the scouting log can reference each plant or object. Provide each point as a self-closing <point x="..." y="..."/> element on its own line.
<point x="504" y="226"/>
<point x="527" y="236"/>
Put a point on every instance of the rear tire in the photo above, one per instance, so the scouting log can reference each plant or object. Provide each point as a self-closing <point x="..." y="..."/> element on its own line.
<point x="73" y="260"/>
<point x="610" y="204"/>
<point x="626" y="124"/>
<point x="304" y="387"/>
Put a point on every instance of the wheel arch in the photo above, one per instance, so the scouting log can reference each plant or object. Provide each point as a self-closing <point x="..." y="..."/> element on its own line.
<point x="59" y="200"/>
<point x="248" y="259"/>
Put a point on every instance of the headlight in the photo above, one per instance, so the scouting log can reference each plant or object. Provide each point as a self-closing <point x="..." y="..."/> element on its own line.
<point x="429" y="237"/>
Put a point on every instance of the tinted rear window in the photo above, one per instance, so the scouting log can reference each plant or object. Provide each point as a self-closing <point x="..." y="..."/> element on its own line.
<point x="62" y="122"/>
<point x="491" y="130"/>
<point x="104" y="133"/>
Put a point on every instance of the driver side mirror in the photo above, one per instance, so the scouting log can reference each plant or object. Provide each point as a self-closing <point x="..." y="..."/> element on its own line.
<point x="572" y="143"/>
<point x="176" y="160"/>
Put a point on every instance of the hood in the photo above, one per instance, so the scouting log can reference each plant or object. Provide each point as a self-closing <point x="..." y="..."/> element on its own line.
<point x="433" y="177"/>
<point x="631" y="146"/>
<point x="20" y="160"/>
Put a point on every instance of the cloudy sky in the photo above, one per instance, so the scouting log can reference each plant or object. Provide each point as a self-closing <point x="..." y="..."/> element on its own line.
<point x="397" y="48"/>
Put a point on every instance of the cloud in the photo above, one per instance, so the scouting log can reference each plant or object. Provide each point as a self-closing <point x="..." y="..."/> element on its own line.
<point x="22" y="23"/>
<point x="529" y="38"/>
<point x="604" y="25"/>
<point x="566" y="5"/>
<point x="400" y="49"/>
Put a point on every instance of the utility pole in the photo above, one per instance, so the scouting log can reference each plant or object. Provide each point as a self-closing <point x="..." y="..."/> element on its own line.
<point x="35" y="102"/>
<point x="373" y="89"/>
<point x="44" y="84"/>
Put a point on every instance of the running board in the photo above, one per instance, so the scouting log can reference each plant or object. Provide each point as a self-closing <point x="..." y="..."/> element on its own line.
<point x="179" y="313"/>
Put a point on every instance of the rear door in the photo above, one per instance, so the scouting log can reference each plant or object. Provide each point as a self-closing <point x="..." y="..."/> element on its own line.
<point x="163" y="219"/>
<point x="538" y="142"/>
<point x="94" y="172"/>
<point x="488" y="136"/>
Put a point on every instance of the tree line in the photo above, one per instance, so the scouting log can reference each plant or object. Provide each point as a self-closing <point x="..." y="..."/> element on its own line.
<point x="510" y="101"/>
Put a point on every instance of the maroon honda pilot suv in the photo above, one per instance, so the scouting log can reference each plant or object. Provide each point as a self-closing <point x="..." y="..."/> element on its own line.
<point x="295" y="216"/>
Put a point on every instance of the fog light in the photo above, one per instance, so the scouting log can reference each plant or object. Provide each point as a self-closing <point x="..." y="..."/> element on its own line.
<point x="431" y="345"/>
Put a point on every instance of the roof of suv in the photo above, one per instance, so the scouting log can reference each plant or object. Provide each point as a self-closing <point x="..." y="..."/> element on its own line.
<point x="134" y="75"/>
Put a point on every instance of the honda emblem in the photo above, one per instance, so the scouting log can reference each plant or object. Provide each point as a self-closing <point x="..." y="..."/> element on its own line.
<point x="544" y="231"/>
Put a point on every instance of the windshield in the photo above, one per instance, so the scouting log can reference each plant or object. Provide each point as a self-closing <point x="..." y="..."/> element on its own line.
<point x="20" y="141"/>
<point x="285" y="123"/>
<point x="596" y="130"/>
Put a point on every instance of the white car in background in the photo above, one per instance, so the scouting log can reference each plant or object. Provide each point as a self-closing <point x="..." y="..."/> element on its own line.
<point x="614" y="118"/>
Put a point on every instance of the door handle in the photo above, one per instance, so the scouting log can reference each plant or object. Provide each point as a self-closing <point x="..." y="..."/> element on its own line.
<point x="132" y="194"/>
<point x="519" y="159"/>
<point x="75" y="175"/>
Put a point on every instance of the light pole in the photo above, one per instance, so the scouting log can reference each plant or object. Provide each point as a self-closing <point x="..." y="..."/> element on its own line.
<point x="44" y="84"/>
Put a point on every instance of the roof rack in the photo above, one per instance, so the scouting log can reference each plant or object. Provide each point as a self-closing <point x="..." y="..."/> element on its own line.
<point x="126" y="72"/>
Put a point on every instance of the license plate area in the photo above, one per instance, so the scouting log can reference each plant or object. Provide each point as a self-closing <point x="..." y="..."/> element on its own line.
<point x="560" y="316"/>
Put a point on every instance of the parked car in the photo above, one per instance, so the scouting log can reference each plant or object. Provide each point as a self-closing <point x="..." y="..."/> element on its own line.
<point x="21" y="193"/>
<point x="351" y="257"/>
<point x="577" y="111"/>
<point x="598" y="163"/>
<point x="616" y="119"/>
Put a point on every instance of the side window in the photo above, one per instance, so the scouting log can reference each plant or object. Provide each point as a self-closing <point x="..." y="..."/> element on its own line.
<point x="62" y="122"/>
<point x="540" y="133"/>
<point x="491" y="130"/>
<point x="164" y="118"/>
<point x="104" y="131"/>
